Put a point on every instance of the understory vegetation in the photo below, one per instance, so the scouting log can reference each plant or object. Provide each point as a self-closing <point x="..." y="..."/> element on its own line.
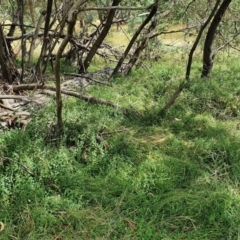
<point x="130" y="174"/>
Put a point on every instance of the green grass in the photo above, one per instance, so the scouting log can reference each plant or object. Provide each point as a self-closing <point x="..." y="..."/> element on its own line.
<point x="147" y="177"/>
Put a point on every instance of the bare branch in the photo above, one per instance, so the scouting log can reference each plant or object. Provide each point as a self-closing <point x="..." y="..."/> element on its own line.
<point x="6" y="159"/>
<point x="6" y="107"/>
<point x="16" y="97"/>
<point x="87" y="77"/>
<point x="174" y="31"/>
<point x="117" y="8"/>
<point x="225" y="44"/>
<point x="189" y="64"/>
<point x="86" y="98"/>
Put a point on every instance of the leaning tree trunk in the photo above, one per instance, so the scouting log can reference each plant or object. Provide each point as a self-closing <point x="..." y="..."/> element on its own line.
<point x="100" y="38"/>
<point x="45" y="39"/>
<point x="207" y="51"/>
<point x="34" y="39"/>
<point x="135" y="36"/>
<point x="9" y="71"/>
<point x="142" y="45"/>
<point x="189" y="63"/>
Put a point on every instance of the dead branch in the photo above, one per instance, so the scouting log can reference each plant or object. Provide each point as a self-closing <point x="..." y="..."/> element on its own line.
<point x="6" y="107"/>
<point x="16" y="97"/>
<point x="225" y="44"/>
<point x="87" y="77"/>
<point x="22" y="113"/>
<point x="233" y="47"/>
<point x="189" y="64"/>
<point x="4" y="160"/>
<point x="174" y="31"/>
<point x="141" y="46"/>
<point x="89" y="99"/>
<point x="117" y="8"/>
<point x="154" y="8"/>
<point x="113" y="132"/>
<point x="100" y="38"/>
<point x="31" y="34"/>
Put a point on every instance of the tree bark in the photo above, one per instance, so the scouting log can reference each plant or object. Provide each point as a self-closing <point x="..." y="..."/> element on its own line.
<point x="30" y="5"/>
<point x="142" y="45"/>
<point x="100" y="38"/>
<point x="15" y="18"/>
<point x="136" y="34"/>
<point x="23" y="41"/>
<point x="57" y="71"/>
<point x="34" y="38"/>
<point x="86" y="98"/>
<point x="71" y="20"/>
<point x="9" y="71"/>
<point x="189" y="64"/>
<point x="45" y="39"/>
<point x="207" y="51"/>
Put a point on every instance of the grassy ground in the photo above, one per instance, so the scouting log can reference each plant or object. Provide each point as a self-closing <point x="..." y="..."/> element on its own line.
<point x="128" y="175"/>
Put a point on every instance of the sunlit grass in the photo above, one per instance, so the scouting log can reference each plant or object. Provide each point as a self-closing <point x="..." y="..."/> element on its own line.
<point x="117" y="174"/>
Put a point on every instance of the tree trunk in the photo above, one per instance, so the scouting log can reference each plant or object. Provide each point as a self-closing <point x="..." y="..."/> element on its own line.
<point x="67" y="4"/>
<point x="9" y="71"/>
<point x="207" y="51"/>
<point x="136" y="34"/>
<point x="141" y="46"/>
<point x="100" y="38"/>
<point x="71" y="19"/>
<point x="30" y="5"/>
<point x="189" y="64"/>
<point x="23" y="41"/>
<point x="57" y="70"/>
<point x="34" y="38"/>
<point x="45" y="39"/>
<point x="15" y="18"/>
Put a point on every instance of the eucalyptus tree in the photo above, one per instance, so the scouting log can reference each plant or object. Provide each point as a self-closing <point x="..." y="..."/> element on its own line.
<point x="149" y="20"/>
<point x="208" y="56"/>
<point x="81" y="5"/>
<point x="14" y="8"/>
<point x="101" y="37"/>
<point x="215" y="19"/>
<point x="45" y="37"/>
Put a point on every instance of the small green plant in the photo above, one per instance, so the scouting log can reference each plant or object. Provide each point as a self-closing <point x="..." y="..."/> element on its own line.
<point x="128" y="174"/>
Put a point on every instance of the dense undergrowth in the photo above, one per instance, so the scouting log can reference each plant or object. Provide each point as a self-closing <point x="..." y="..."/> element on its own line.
<point x="130" y="174"/>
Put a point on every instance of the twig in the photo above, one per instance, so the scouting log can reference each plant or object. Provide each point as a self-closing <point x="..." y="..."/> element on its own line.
<point x="225" y="44"/>
<point x="189" y="64"/>
<point x="145" y="65"/>
<point x="15" y="97"/>
<point x="113" y="132"/>
<point x="22" y="113"/>
<point x="86" y="98"/>
<point x="5" y="107"/>
<point x="117" y="8"/>
<point x="6" y="159"/>
<point x="173" y="31"/>
<point x="87" y="77"/>
<point x="233" y="47"/>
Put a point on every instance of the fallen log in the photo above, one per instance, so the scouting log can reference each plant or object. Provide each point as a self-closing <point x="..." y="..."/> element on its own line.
<point x="86" y="98"/>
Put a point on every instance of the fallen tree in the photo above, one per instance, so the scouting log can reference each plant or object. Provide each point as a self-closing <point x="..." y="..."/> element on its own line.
<point x="86" y="98"/>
